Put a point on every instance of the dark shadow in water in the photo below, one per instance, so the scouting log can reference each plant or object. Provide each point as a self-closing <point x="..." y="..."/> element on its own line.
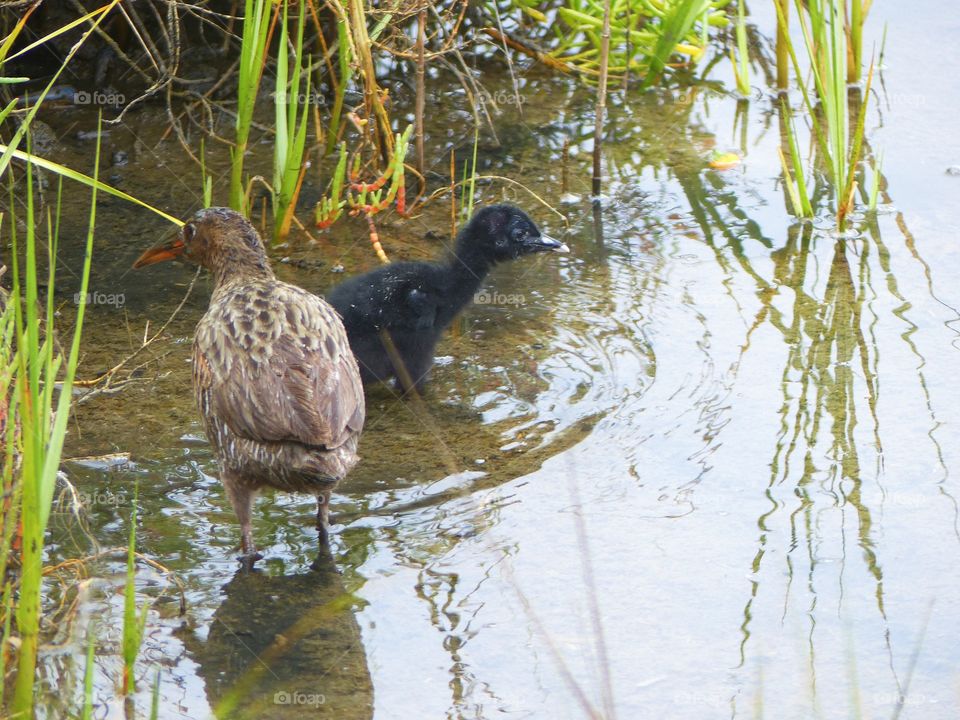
<point x="285" y="647"/>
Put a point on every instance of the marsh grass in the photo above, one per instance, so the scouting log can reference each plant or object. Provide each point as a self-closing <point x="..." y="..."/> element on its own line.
<point x="741" y="63"/>
<point x="10" y="438"/>
<point x="828" y="50"/>
<point x="857" y="16"/>
<point x="155" y="700"/>
<point x="291" y="125"/>
<point x="253" y="53"/>
<point x="377" y="131"/>
<point x="87" y="712"/>
<point x="645" y="35"/>
<point x="133" y="622"/>
<point x="36" y="380"/>
<point x="875" y="177"/>
<point x="43" y="418"/>
<point x="330" y="208"/>
<point x="794" y="172"/>
<point x="345" y="74"/>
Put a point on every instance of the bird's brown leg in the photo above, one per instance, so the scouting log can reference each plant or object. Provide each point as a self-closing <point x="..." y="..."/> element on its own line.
<point x="323" y="516"/>
<point x="241" y="498"/>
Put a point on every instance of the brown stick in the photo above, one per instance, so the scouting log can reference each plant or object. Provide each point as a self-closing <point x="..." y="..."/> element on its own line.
<point x="453" y="194"/>
<point x="421" y="87"/>
<point x="542" y="57"/>
<point x="601" y="100"/>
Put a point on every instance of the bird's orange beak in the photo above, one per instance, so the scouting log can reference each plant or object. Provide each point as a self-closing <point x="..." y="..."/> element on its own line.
<point x="163" y="251"/>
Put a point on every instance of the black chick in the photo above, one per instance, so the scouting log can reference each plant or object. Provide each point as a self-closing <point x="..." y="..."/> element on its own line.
<point x="407" y="305"/>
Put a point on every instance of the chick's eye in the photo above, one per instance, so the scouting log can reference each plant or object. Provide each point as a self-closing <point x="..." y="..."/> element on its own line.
<point x="189" y="230"/>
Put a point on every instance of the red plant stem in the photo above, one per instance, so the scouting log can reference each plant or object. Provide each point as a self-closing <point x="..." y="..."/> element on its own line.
<point x="375" y="241"/>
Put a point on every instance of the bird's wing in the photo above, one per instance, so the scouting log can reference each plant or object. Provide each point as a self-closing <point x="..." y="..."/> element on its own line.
<point x="422" y="308"/>
<point x="397" y="297"/>
<point x="272" y="362"/>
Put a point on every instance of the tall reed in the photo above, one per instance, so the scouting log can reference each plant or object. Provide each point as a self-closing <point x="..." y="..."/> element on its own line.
<point x="741" y="63"/>
<point x="87" y="713"/>
<point x="782" y="50"/>
<point x="794" y="174"/>
<point x="828" y="53"/>
<point x="9" y="446"/>
<point x="43" y="427"/>
<point x="346" y="72"/>
<point x="291" y="126"/>
<point x="253" y="52"/>
<point x="856" y="19"/>
<point x="133" y="622"/>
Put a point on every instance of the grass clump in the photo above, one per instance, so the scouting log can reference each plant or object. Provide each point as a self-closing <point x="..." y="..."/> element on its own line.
<point x="829" y="52"/>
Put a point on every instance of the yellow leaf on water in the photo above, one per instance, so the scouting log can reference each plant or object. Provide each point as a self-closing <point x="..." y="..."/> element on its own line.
<point x="724" y="161"/>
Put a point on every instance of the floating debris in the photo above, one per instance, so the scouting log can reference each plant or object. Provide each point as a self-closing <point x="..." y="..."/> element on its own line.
<point x="111" y="461"/>
<point x="724" y="161"/>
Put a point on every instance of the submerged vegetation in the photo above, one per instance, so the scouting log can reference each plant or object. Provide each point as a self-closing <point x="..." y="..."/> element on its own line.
<point x="331" y="71"/>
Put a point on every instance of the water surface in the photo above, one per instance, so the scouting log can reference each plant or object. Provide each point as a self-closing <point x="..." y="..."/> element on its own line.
<point x="704" y="466"/>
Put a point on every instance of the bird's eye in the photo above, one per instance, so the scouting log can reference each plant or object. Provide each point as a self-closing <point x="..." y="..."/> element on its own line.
<point x="189" y="231"/>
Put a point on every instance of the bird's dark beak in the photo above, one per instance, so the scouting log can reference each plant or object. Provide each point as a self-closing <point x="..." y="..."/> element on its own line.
<point x="546" y="243"/>
<point x="165" y="250"/>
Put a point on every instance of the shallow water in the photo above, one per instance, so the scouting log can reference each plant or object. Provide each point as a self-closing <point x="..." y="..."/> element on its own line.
<point x="705" y="466"/>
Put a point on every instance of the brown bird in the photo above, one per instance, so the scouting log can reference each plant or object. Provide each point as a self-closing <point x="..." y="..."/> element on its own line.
<point x="273" y="374"/>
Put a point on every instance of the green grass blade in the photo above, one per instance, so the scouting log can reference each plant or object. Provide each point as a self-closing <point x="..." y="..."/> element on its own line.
<point x="8" y="150"/>
<point x="132" y="625"/>
<point x="253" y="49"/>
<point x="94" y="183"/>
<point x="88" y="675"/>
<point x="55" y="446"/>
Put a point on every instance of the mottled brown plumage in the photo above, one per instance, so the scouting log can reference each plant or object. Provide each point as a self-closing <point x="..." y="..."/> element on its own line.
<point x="274" y="377"/>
